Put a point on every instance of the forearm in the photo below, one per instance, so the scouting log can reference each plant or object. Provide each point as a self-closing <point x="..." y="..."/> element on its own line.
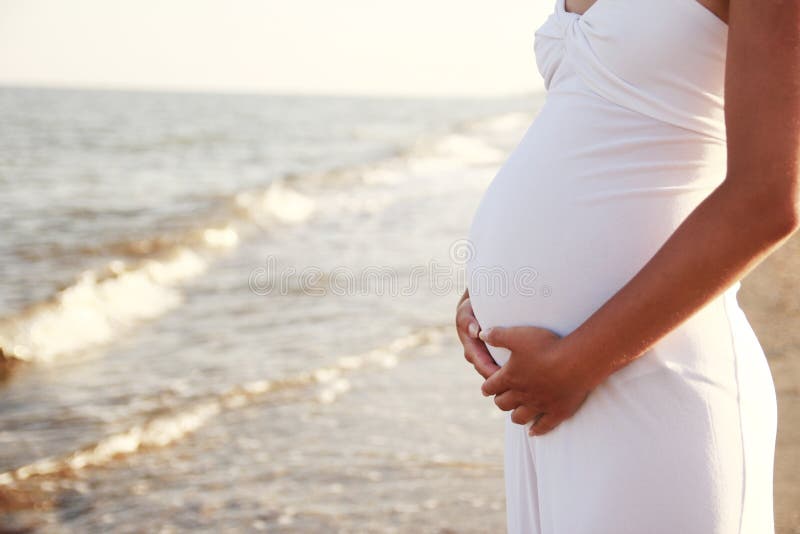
<point x="722" y="240"/>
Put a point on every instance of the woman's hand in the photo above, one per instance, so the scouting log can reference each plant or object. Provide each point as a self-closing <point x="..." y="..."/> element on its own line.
<point x="475" y="350"/>
<point x="539" y="383"/>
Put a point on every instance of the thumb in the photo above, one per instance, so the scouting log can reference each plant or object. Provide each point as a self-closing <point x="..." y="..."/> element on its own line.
<point x="497" y="336"/>
<point x="516" y="338"/>
<point x="496" y="383"/>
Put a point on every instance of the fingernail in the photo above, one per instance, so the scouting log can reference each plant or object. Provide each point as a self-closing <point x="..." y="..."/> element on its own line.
<point x="484" y="335"/>
<point x="473" y="330"/>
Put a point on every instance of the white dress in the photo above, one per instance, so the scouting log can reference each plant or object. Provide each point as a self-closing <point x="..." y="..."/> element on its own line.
<point x="630" y="139"/>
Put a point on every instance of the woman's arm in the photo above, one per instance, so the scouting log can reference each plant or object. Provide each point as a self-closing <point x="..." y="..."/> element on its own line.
<point x="749" y="215"/>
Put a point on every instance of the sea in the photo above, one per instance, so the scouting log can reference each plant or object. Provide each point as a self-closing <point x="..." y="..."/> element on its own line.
<point x="234" y="312"/>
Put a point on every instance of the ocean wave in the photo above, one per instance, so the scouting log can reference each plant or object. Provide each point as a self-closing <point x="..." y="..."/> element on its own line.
<point x="166" y="429"/>
<point x="504" y="123"/>
<point x="101" y="304"/>
<point x="478" y="142"/>
<point x="97" y="307"/>
<point x="277" y="201"/>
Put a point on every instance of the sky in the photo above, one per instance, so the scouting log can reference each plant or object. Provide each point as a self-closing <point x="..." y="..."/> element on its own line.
<point x="358" y="47"/>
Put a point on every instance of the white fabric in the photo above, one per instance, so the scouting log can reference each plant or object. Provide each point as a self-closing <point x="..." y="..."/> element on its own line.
<point x="630" y="139"/>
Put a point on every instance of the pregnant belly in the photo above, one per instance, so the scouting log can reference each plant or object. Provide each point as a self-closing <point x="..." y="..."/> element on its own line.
<point x="582" y="203"/>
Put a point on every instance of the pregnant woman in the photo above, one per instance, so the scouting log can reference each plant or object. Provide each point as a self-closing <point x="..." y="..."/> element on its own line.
<point x="601" y="304"/>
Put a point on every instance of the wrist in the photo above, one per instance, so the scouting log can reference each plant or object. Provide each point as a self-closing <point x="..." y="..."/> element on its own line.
<point x="583" y="365"/>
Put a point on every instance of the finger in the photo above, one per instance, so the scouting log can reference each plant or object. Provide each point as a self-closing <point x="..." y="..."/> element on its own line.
<point x="500" y="336"/>
<point x="479" y="357"/>
<point x="508" y="401"/>
<point x="523" y="414"/>
<point x="495" y="336"/>
<point x="498" y="383"/>
<point x="476" y="353"/>
<point x="546" y="424"/>
<point x="465" y="319"/>
<point x="516" y="337"/>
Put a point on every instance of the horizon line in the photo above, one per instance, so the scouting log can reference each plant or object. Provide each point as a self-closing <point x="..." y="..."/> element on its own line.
<point x="222" y="91"/>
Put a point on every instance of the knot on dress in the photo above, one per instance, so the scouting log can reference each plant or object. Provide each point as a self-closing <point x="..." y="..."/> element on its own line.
<point x="662" y="58"/>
